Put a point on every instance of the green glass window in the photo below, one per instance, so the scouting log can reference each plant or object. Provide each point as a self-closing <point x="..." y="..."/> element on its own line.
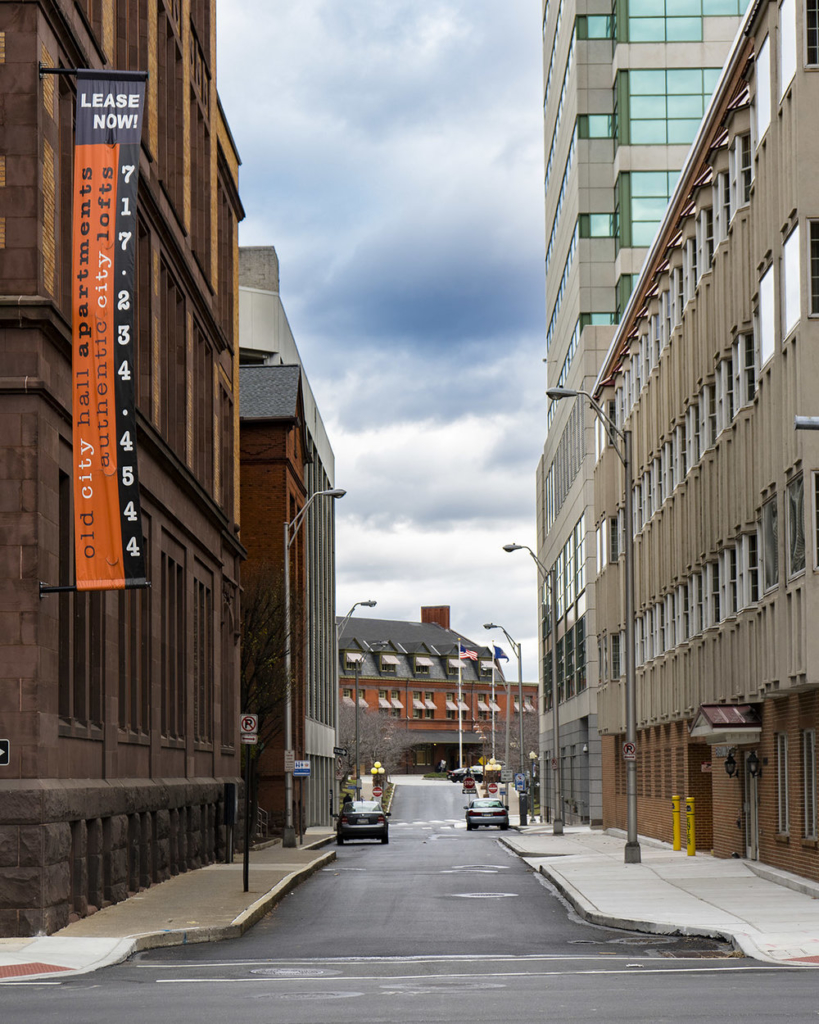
<point x="593" y="26"/>
<point x="595" y="126"/>
<point x="640" y="199"/>
<point x="665" y="106"/>
<point x="597" y="319"/>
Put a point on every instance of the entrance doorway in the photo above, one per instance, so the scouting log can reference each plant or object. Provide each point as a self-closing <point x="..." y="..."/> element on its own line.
<point x="751" y="809"/>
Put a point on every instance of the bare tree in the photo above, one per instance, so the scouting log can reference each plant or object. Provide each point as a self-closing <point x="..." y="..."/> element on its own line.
<point x="263" y="676"/>
<point x="380" y="738"/>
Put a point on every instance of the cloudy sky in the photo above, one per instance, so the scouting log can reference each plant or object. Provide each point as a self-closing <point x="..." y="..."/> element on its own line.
<point x="392" y="153"/>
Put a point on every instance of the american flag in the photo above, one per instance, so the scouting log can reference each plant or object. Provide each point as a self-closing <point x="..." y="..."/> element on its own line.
<point x="464" y="653"/>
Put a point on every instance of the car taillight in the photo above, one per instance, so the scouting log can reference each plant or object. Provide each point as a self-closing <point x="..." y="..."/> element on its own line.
<point x="380" y="819"/>
<point x="344" y="819"/>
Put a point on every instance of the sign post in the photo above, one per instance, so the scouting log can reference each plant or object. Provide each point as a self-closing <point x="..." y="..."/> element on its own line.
<point x="249" y="727"/>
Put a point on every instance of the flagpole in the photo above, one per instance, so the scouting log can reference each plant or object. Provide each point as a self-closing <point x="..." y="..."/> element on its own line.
<point x="492" y="709"/>
<point x="460" y="713"/>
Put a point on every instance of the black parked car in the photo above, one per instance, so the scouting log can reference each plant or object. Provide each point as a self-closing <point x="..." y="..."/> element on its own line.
<point x="362" y="819"/>
<point x="459" y="774"/>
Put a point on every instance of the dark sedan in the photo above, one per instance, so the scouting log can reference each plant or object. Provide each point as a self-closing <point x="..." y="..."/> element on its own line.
<point x="362" y="819"/>
<point x="459" y="774"/>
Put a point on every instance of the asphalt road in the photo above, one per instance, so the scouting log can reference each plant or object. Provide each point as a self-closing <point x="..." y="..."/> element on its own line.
<point x="440" y="925"/>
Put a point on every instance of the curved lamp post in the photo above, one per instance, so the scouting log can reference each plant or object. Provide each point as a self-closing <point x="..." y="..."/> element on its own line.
<point x="621" y="443"/>
<point x="516" y="648"/>
<point x="557" y="820"/>
<point x="290" y="531"/>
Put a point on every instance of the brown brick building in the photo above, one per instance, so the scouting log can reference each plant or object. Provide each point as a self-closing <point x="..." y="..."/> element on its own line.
<point x="409" y="672"/>
<point x="120" y="707"/>
<point x="287" y="458"/>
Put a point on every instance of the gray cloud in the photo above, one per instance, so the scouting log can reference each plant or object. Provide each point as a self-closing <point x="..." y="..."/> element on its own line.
<point x="392" y="152"/>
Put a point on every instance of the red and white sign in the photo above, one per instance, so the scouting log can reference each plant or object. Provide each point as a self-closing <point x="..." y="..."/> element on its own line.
<point x="492" y="788"/>
<point x="249" y="723"/>
<point x="377" y="791"/>
<point x="629" y="752"/>
<point x="469" y="783"/>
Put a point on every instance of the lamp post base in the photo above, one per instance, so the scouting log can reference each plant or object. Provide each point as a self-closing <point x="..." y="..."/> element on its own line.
<point x="632" y="854"/>
<point x="557" y="827"/>
<point x="289" y="837"/>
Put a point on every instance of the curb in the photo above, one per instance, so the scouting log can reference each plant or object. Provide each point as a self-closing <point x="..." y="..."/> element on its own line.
<point x="124" y="947"/>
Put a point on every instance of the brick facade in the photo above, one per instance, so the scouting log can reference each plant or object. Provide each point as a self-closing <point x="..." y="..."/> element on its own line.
<point x="121" y="707"/>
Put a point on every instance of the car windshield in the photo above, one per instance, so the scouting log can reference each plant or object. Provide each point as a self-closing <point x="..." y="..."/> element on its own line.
<point x="487" y="803"/>
<point x="366" y="805"/>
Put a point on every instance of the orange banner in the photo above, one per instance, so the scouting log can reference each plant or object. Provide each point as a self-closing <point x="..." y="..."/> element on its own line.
<point x="107" y="521"/>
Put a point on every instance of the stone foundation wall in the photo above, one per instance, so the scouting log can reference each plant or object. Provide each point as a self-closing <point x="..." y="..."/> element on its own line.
<point x="69" y="848"/>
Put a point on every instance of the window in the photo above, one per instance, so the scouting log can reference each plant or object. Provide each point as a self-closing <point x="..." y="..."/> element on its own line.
<point x="681" y="454"/>
<point x="705" y="241"/>
<point x="418" y="707"/>
<point x="752" y="553"/>
<point x="615" y="528"/>
<point x="770" y="544"/>
<point x="809" y="783"/>
<point x="689" y="269"/>
<point x="451" y="706"/>
<point x="787" y="45"/>
<point x="741" y="171"/>
<point x="642" y="197"/>
<point x="765" y="317"/>
<point x="816" y="519"/>
<point x="715" y="609"/>
<point x="665" y="106"/>
<point x="796" y="526"/>
<point x="790" y="284"/>
<point x="692" y="421"/>
<point x="602" y="552"/>
<point x="744" y="370"/>
<point x="725" y="394"/>
<point x="429" y="704"/>
<point x="729" y="580"/>
<point x="708" y="411"/>
<point x="782" y="821"/>
<point x="616" y="661"/>
<point x="721" y="206"/>
<point x="814" y="263"/>
<point x="812" y="31"/>
<point x="762" y="102"/>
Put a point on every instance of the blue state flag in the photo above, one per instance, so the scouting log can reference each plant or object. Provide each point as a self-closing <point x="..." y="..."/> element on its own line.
<point x="499" y="654"/>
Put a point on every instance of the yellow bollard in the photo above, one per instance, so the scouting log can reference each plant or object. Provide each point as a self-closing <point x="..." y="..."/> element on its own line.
<point x="690" y="827"/>
<point x="675" y="819"/>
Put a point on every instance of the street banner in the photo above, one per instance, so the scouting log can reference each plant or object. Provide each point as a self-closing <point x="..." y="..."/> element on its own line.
<point x="108" y="543"/>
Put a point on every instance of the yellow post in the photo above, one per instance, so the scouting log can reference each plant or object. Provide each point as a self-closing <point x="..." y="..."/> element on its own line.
<point x="675" y="819"/>
<point x="690" y="827"/>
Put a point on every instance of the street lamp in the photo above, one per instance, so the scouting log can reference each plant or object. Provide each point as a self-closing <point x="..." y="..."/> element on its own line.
<point x="359" y="604"/>
<point x="516" y="648"/>
<point x="557" y="820"/>
<point x="377" y="771"/>
<point x="290" y="531"/>
<point x="623" y="449"/>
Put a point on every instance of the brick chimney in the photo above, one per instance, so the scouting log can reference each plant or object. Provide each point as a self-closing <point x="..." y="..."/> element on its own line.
<point x="438" y="613"/>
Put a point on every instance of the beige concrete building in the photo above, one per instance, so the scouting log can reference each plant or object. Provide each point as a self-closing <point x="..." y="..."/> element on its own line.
<point x="625" y="87"/>
<point x="714" y="357"/>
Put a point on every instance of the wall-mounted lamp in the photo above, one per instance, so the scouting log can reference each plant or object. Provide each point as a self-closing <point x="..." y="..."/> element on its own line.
<point x="754" y="767"/>
<point x="730" y="765"/>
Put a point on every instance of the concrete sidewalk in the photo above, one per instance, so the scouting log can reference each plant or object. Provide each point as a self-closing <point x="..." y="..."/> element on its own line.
<point x="198" y="906"/>
<point x="768" y="914"/>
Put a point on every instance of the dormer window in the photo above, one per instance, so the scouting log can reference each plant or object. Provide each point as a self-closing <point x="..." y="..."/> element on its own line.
<point x="389" y="664"/>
